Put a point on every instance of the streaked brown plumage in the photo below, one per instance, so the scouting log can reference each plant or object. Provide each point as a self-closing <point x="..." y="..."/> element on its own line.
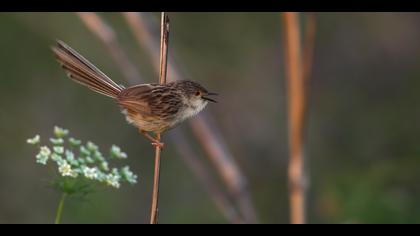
<point x="149" y="107"/>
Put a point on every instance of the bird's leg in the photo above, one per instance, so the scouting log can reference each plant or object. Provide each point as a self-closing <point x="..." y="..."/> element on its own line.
<point x="155" y="142"/>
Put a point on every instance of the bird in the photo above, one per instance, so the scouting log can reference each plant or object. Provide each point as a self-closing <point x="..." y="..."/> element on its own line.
<point x="152" y="108"/>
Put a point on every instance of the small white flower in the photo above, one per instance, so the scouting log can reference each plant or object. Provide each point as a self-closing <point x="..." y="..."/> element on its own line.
<point x="77" y="169"/>
<point x="41" y="159"/>
<point x="45" y="151"/>
<point x="91" y="146"/>
<point x="60" y="132"/>
<point x="128" y="175"/>
<point x="115" y="149"/>
<point x="81" y="161"/>
<point x="43" y="155"/>
<point x="84" y="151"/>
<point x="104" y="166"/>
<point x="57" y="141"/>
<point x="90" y="160"/>
<point x="69" y="155"/>
<point x="73" y="162"/>
<point x="123" y="155"/>
<point x="58" y="149"/>
<point x="115" y="171"/>
<point x="98" y="156"/>
<point x="74" y="142"/>
<point x="113" y="180"/>
<point x="70" y="158"/>
<point x="57" y="158"/>
<point x="65" y="169"/>
<point x="117" y="153"/>
<point x="101" y="176"/>
<point x="90" y="173"/>
<point x="35" y="140"/>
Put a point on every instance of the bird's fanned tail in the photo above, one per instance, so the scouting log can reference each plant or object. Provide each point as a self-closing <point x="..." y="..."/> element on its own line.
<point x="82" y="71"/>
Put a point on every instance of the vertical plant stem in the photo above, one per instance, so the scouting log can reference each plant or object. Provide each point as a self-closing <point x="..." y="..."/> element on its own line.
<point x="156" y="179"/>
<point x="60" y="209"/>
<point x="164" y="40"/>
<point x="296" y="105"/>
<point x="164" y="37"/>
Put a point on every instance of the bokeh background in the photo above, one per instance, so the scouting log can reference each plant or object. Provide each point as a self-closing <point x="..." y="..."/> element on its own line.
<point x="362" y="135"/>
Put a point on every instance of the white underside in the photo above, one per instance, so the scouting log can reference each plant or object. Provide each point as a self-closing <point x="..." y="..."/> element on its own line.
<point x="193" y="109"/>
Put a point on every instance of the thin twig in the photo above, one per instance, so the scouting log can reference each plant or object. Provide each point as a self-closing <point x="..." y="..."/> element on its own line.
<point x="212" y="143"/>
<point x="98" y="28"/>
<point x="154" y="210"/>
<point x="296" y="107"/>
<point x="164" y="39"/>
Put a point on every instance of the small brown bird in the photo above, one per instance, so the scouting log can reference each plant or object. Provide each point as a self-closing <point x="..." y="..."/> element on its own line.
<point x="150" y="107"/>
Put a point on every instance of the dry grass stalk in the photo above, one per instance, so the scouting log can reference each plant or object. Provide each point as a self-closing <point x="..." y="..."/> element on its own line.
<point x="295" y="89"/>
<point x="164" y="40"/>
<point x="298" y="72"/>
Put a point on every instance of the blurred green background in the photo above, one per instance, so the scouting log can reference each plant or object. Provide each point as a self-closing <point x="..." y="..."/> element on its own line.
<point x="362" y="141"/>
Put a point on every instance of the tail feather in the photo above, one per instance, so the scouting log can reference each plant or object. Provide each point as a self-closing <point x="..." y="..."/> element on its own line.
<point x="82" y="71"/>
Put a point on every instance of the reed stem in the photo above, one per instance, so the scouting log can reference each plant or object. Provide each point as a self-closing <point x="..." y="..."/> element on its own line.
<point x="164" y="38"/>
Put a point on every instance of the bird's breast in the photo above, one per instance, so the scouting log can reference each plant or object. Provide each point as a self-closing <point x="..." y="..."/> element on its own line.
<point x="192" y="109"/>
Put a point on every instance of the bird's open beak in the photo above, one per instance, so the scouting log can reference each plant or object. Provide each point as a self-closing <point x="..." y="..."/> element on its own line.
<point x="209" y="99"/>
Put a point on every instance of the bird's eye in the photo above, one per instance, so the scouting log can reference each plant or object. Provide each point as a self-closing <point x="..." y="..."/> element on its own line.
<point x="197" y="93"/>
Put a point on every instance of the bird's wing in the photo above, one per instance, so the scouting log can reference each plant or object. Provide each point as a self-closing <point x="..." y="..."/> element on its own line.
<point x="137" y="99"/>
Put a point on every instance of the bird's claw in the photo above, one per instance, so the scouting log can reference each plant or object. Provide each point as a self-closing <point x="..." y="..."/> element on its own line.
<point x="158" y="144"/>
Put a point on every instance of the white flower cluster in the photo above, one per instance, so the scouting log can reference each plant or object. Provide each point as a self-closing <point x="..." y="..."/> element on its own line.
<point x="89" y="163"/>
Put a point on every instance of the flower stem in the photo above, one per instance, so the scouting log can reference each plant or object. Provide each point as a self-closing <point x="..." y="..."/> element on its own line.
<point x="60" y="209"/>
